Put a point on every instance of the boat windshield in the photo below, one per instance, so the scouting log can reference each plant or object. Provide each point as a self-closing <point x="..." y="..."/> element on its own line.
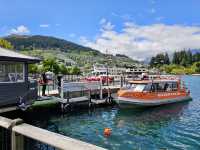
<point x="136" y="87"/>
<point x="139" y="87"/>
<point x="152" y="87"/>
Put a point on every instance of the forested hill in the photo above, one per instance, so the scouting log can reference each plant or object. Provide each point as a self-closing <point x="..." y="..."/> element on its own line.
<point x="24" y="42"/>
<point x="46" y="46"/>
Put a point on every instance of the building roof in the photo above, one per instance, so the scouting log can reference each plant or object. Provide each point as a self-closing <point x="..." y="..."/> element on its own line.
<point x="8" y="55"/>
<point x="153" y="81"/>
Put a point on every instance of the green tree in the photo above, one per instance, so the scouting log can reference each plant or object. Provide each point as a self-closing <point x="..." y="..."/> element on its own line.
<point x="166" y="59"/>
<point x="180" y="70"/>
<point x="52" y="65"/>
<point x="159" y="60"/>
<point x="196" y="57"/>
<point x="152" y="62"/>
<point x="168" y="68"/>
<point x="175" y="59"/>
<point x="33" y="68"/>
<point x="189" y="58"/>
<point x="183" y="58"/>
<point x="64" y="70"/>
<point x="5" y="44"/>
<point x="196" y="67"/>
<point x="76" y="70"/>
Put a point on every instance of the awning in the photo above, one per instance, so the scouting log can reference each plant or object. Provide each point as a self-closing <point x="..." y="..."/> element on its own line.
<point x="9" y="55"/>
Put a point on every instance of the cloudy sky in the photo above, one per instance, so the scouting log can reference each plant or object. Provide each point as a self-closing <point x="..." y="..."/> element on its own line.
<point x="137" y="28"/>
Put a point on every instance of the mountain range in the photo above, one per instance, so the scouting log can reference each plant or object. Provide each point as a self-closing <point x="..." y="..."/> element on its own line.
<point x="48" y="46"/>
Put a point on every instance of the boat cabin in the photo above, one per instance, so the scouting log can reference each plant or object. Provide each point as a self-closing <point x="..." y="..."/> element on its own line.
<point x="15" y="86"/>
<point x="154" y="85"/>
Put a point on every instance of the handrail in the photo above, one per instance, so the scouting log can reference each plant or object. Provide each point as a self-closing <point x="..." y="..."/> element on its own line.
<point x="47" y="137"/>
<point x="53" y="139"/>
<point x="5" y="122"/>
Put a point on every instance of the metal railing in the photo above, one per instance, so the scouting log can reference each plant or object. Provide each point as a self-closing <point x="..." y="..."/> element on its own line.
<point x="21" y="136"/>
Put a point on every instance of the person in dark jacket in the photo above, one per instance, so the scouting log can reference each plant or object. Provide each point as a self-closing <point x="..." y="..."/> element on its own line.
<point x="59" y="80"/>
<point x="44" y="85"/>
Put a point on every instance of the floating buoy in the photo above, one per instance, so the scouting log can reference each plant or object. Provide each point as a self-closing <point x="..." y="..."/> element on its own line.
<point x="107" y="132"/>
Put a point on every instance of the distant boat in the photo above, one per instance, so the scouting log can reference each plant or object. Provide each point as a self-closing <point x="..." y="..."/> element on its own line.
<point x="196" y="74"/>
<point x="153" y="92"/>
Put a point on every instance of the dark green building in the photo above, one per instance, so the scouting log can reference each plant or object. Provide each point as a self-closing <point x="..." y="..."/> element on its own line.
<point x="15" y="85"/>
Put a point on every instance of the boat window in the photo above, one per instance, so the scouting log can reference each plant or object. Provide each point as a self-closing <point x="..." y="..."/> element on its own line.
<point x="148" y="87"/>
<point x="11" y="72"/>
<point x="164" y="86"/>
<point x="130" y="86"/>
<point x="139" y="87"/>
<point x="174" y="86"/>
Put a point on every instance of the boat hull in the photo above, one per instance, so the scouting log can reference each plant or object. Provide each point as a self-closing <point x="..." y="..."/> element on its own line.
<point x="138" y="103"/>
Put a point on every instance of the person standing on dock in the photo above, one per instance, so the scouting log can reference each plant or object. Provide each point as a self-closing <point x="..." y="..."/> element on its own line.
<point x="44" y="85"/>
<point x="59" y="80"/>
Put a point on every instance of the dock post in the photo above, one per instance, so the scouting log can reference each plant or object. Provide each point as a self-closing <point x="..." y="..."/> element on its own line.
<point x="67" y="97"/>
<point x="101" y="91"/>
<point x="61" y="92"/>
<point x="48" y="88"/>
<point x="62" y="89"/>
<point x="62" y="107"/>
<point x="90" y="98"/>
<point x="108" y="98"/>
<point x="17" y="140"/>
<point x="121" y="82"/>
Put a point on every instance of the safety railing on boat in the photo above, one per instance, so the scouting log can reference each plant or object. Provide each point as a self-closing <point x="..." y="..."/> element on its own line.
<point x="16" y="135"/>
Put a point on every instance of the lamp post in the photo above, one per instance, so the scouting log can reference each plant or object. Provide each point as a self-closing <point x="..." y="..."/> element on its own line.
<point x="107" y="67"/>
<point x="107" y="73"/>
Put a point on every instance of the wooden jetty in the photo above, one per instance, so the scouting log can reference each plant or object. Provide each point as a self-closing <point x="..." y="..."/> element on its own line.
<point x="91" y="93"/>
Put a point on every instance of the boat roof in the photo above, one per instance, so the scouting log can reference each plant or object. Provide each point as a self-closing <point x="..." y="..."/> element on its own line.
<point x="152" y="81"/>
<point x="9" y="55"/>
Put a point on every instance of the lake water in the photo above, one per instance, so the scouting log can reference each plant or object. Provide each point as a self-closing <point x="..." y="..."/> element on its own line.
<point x="168" y="127"/>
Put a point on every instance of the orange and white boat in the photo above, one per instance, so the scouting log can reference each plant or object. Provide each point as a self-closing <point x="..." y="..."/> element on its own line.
<point x="154" y="91"/>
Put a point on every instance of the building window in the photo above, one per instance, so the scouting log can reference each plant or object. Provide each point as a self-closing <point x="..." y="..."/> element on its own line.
<point x="11" y="72"/>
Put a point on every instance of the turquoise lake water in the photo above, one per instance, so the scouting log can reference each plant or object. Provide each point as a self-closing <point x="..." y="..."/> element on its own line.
<point x="171" y="127"/>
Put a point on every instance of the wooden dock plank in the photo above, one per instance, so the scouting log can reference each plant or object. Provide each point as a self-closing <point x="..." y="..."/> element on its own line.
<point x="73" y="100"/>
<point x="8" y="109"/>
<point x="99" y="101"/>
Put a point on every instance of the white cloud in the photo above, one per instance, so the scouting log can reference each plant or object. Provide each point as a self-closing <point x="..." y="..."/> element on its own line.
<point x="20" y="30"/>
<point x="44" y="25"/>
<point x="83" y="39"/>
<point x="107" y="26"/>
<point x="142" y="41"/>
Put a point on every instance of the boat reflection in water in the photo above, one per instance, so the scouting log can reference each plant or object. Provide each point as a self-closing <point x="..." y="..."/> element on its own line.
<point x="145" y="117"/>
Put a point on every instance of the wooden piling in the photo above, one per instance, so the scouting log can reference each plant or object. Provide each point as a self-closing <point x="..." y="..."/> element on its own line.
<point x="17" y="140"/>
<point x="62" y="89"/>
<point x="121" y="82"/>
<point x="90" y="98"/>
<point x="101" y="89"/>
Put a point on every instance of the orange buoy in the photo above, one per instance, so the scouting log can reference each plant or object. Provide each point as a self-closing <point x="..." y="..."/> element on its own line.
<point x="107" y="132"/>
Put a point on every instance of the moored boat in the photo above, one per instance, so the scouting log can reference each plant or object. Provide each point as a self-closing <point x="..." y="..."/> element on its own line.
<point x="155" y="91"/>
